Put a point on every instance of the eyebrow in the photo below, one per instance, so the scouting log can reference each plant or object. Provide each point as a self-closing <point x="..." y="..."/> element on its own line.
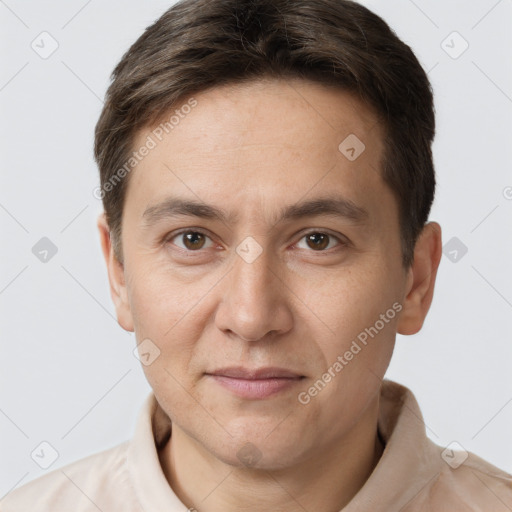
<point x="329" y="206"/>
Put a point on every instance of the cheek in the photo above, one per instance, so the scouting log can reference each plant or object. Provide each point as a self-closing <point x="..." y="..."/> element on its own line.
<point x="163" y="314"/>
<point x="351" y="300"/>
<point x="172" y="315"/>
<point x="357" y="360"/>
<point x="162" y="298"/>
<point x="173" y="310"/>
<point x="361" y="311"/>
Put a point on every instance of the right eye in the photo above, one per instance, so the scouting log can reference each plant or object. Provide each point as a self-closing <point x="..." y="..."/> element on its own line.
<point x="191" y="240"/>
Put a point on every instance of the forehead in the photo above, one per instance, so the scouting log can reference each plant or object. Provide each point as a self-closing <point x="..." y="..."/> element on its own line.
<point x="294" y="113"/>
<point x="264" y="142"/>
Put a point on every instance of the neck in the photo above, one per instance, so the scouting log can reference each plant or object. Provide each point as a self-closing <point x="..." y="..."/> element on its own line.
<point x="326" y="480"/>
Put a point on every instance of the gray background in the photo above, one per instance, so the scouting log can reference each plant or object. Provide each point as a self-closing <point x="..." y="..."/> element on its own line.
<point x="68" y="376"/>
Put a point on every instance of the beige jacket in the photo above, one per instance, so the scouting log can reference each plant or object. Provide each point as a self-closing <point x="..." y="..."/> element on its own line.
<point x="412" y="475"/>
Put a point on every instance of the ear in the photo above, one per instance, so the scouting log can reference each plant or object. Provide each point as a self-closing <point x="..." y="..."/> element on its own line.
<point x="116" y="278"/>
<point x="421" y="279"/>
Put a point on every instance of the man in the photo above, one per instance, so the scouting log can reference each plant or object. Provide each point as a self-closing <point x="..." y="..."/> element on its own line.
<point x="267" y="176"/>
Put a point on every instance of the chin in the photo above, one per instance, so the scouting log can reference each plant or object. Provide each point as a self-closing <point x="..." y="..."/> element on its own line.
<point x="259" y="443"/>
<point x="250" y="456"/>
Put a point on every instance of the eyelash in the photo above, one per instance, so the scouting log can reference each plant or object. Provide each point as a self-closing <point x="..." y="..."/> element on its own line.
<point x="341" y="242"/>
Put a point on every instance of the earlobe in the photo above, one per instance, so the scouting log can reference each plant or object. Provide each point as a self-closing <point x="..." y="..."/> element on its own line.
<point x="421" y="279"/>
<point x="116" y="276"/>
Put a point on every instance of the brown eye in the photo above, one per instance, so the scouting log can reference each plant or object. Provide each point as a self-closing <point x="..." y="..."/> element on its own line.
<point x="191" y="240"/>
<point x="319" y="241"/>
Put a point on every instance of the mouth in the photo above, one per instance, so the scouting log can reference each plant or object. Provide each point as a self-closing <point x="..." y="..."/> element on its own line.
<point x="255" y="384"/>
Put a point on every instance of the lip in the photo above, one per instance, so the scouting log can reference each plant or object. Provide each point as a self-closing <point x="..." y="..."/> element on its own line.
<point x="255" y="384"/>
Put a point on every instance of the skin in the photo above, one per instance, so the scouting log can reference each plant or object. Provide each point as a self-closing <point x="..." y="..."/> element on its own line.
<point x="252" y="150"/>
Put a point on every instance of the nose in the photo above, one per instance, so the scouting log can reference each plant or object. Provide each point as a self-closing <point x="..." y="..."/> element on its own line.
<point x="255" y="301"/>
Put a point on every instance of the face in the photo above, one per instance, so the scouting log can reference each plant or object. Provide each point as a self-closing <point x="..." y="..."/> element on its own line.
<point x="262" y="266"/>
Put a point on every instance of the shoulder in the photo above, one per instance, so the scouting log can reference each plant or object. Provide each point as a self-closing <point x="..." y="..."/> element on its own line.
<point x="467" y="483"/>
<point x="430" y="477"/>
<point x="100" y="481"/>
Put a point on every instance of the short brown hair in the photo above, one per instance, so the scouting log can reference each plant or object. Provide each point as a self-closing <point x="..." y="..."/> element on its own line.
<point x="200" y="44"/>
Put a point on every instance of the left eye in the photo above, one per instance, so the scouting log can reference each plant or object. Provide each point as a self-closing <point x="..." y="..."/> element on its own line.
<point x="318" y="241"/>
<point x="192" y="240"/>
